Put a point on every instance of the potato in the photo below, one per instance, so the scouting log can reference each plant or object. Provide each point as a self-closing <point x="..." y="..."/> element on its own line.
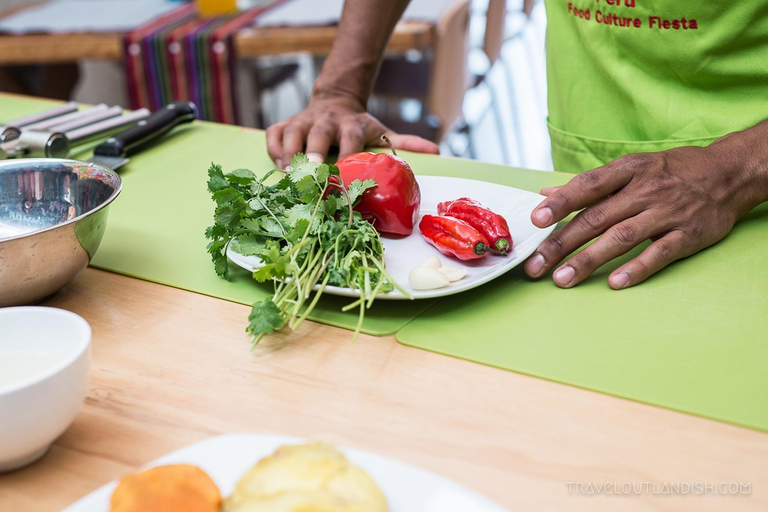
<point x="313" y="477"/>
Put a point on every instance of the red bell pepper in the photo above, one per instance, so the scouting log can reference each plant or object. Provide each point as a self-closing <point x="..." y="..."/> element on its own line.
<point x="392" y="206"/>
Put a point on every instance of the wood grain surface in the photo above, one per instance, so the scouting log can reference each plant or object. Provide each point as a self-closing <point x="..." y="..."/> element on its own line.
<point x="251" y="42"/>
<point x="172" y="367"/>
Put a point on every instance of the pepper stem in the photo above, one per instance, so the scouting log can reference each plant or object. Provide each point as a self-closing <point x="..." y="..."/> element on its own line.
<point x="389" y="143"/>
<point x="502" y="244"/>
<point x="481" y="248"/>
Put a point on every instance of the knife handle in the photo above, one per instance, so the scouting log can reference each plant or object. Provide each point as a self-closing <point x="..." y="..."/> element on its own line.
<point x="156" y="124"/>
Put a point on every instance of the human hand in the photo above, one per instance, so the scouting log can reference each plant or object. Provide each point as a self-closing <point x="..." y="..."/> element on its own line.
<point x="685" y="200"/>
<point x="334" y="120"/>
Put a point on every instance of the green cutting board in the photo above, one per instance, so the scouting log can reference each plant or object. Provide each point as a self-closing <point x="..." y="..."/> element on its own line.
<point x="694" y="338"/>
<point x="156" y="226"/>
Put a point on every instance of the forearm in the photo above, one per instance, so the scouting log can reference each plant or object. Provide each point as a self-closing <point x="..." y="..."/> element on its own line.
<point x="362" y="36"/>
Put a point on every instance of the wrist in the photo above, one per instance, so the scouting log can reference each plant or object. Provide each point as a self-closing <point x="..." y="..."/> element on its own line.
<point x="755" y="149"/>
<point x="346" y="82"/>
<point x="743" y="157"/>
<point x="338" y="96"/>
<point x="348" y="78"/>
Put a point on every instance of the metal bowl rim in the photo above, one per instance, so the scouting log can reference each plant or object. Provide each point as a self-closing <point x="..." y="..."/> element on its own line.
<point x="73" y="220"/>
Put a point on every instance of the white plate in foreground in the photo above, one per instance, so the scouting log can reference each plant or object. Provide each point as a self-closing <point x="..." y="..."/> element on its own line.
<point x="226" y="458"/>
<point x="404" y="253"/>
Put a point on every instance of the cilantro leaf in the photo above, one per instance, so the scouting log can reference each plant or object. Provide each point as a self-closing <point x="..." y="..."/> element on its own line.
<point x="226" y="195"/>
<point x="283" y="184"/>
<point x="221" y="265"/>
<point x="299" y="212"/>
<point x="228" y="215"/>
<point x="323" y="172"/>
<point x="301" y="167"/>
<point x="282" y="198"/>
<point x="216" y="250"/>
<point x="276" y="265"/>
<point x="271" y="227"/>
<point x="306" y="184"/>
<point x="330" y="206"/>
<point x="356" y="189"/>
<point x="252" y="226"/>
<point x="265" y="318"/>
<point x="216" y="179"/>
<point x="248" y="244"/>
<point x="299" y="159"/>
<point x="256" y="205"/>
<point x="298" y="231"/>
<point x="241" y="176"/>
<point x="307" y="189"/>
<point x="215" y="231"/>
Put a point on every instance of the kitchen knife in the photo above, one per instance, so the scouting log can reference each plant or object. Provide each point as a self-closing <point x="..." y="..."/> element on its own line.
<point x="114" y="151"/>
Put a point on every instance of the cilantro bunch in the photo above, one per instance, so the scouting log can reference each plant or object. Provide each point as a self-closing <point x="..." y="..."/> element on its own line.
<point x="304" y="230"/>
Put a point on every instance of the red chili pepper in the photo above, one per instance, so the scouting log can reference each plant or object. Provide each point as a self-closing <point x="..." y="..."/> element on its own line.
<point x="492" y="225"/>
<point x="454" y="237"/>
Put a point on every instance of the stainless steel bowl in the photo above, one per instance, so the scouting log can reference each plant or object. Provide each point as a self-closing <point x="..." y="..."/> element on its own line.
<point x="52" y="217"/>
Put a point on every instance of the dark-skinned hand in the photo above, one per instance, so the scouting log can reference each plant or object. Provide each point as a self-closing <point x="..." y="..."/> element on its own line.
<point x="684" y="200"/>
<point x="334" y="120"/>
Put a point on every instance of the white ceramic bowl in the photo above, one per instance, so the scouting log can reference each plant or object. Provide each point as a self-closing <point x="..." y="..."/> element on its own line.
<point x="45" y="355"/>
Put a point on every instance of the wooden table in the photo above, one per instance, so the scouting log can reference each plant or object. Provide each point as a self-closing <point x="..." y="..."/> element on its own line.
<point x="172" y="367"/>
<point x="251" y="42"/>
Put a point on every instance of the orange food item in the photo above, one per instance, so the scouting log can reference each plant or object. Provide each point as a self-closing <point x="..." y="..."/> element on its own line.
<point x="173" y="488"/>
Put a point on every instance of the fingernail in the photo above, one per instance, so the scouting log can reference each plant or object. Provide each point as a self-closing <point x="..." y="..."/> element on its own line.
<point x="536" y="264"/>
<point x="279" y="163"/>
<point x="620" y="280"/>
<point x="315" y="157"/>
<point x="543" y="215"/>
<point x="564" y="275"/>
<point x="286" y="167"/>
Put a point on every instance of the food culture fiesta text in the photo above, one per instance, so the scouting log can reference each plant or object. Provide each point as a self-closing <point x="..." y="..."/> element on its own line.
<point x="616" y="20"/>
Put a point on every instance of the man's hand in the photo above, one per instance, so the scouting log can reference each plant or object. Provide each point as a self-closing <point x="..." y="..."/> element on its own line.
<point x="336" y="114"/>
<point x="684" y="199"/>
<point x="334" y="120"/>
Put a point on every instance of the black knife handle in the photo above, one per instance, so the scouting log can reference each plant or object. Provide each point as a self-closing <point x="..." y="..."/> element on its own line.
<point x="125" y="143"/>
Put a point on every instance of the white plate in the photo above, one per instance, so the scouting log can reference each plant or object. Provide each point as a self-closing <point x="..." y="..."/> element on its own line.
<point x="226" y="458"/>
<point x="402" y="254"/>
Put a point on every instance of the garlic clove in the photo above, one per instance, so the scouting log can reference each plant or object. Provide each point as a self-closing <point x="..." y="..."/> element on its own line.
<point x="432" y="262"/>
<point x="426" y="278"/>
<point x="453" y="273"/>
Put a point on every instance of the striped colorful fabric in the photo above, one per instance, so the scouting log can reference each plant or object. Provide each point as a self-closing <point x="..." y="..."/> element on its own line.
<point x="180" y="56"/>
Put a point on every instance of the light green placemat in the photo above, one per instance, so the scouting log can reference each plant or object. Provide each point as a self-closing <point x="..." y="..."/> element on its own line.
<point x="156" y="226"/>
<point x="693" y="338"/>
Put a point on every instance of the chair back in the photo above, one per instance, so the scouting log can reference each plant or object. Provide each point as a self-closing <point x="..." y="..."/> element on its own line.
<point x="448" y="82"/>
<point x="528" y="7"/>
<point x="495" y="19"/>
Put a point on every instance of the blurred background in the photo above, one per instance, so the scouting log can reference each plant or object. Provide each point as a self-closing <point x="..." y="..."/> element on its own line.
<point x="468" y="74"/>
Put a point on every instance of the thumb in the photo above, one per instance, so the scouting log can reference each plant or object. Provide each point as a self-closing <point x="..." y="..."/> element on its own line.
<point x="410" y="143"/>
<point x="547" y="191"/>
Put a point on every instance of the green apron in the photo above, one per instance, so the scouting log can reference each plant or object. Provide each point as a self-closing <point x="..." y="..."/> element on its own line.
<point x="631" y="76"/>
